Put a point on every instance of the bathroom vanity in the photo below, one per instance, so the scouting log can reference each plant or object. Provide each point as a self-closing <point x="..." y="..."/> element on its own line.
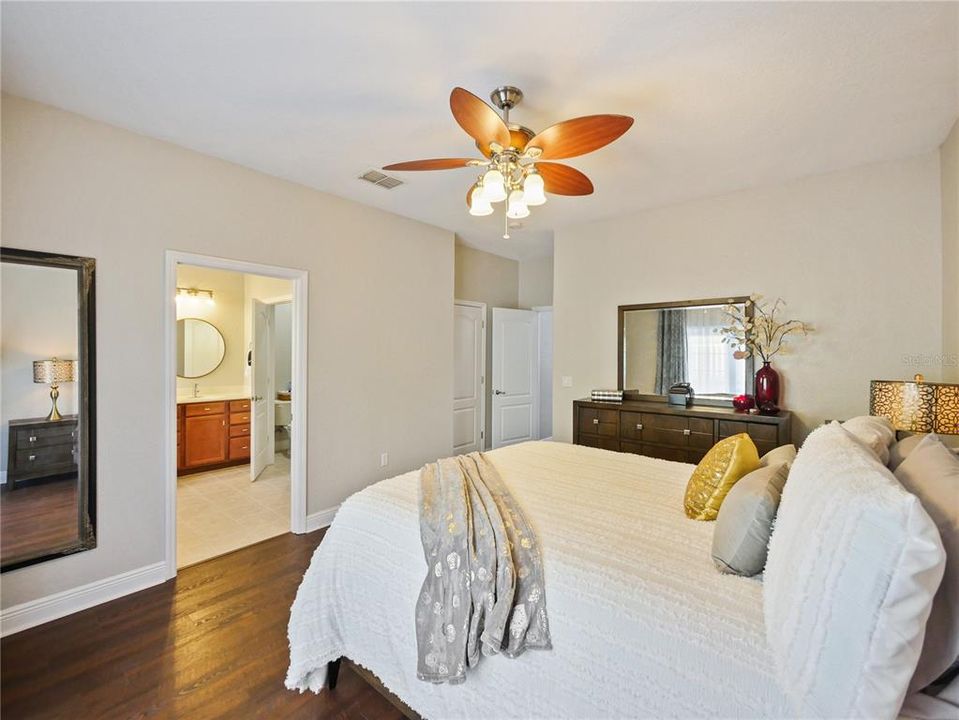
<point x="212" y="433"/>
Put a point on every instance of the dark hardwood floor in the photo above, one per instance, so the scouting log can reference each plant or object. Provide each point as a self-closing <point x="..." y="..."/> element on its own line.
<point x="35" y="519"/>
<point x="209" y="644"/>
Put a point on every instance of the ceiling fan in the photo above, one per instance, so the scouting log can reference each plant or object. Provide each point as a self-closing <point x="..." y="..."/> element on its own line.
<point x="515" y="165"/>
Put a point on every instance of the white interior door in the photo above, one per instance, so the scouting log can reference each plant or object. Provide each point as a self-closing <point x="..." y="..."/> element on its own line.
<point x="261" y="427"/>
<point x="469" y="368"/>
<point x="515" y="376"/>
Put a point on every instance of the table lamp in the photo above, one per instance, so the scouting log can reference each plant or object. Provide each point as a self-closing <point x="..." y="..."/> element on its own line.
<point x="916" y="406"/>
<point x="53" y="372"/>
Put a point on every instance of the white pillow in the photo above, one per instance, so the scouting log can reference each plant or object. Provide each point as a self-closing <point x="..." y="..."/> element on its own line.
<point x="874" y="432"/>
<point x="854" y="561"/>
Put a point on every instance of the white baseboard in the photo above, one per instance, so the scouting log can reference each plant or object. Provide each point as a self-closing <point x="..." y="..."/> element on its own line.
<point x="549" y="439"/>
<point x="42" y="610"/>
<point x="321" y="519"/>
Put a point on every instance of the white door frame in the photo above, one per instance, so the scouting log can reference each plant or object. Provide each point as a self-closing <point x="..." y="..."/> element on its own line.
<point x="300" y="281"/>
<point x="482" y="420"/>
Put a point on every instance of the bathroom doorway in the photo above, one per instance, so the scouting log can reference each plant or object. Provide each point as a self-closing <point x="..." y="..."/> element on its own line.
<point x="236" y="390"/>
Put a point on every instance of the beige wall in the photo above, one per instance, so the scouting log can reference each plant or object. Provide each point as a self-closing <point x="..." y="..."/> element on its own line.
<point x="857" y="253"/>
<point x="494" y="280"/>
<point x="536" y="282"/>
<point x="227" y="315"/>
<point x="380" y="313"/>
<point x="949" y="164"/>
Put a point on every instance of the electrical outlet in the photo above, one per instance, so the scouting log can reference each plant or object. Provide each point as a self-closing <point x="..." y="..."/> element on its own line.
<point x="384" y="459"/>
<point x="567" y="381"/>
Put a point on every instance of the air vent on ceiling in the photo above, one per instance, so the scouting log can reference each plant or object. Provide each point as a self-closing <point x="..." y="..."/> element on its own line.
<point x="378" y="178"/>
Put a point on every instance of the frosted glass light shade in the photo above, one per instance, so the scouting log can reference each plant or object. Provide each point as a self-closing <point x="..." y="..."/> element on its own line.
<point x="533" y="189"/>
<point x="479" y="205"/>
<point x="494" y="186"/>
<point x="516" y="208"/>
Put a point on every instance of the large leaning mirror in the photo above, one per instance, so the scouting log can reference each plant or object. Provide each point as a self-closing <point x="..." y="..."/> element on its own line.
<point x="663" y="344"/>
<point x="47" y="406"/>
<point x="200" y="348"/>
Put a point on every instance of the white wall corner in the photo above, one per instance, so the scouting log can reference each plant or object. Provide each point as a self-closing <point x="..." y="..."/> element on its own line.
<point x="42" y="610"/>
<point x="321" y="519"/>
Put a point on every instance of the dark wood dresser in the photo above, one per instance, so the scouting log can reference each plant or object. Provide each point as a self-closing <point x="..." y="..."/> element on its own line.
<point x="672" y="432"/>
<point x="212" y="434"/>
<point x="39" y="448"/>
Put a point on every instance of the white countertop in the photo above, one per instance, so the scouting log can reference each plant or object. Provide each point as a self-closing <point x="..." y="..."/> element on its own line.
<point x="212" y="397"/>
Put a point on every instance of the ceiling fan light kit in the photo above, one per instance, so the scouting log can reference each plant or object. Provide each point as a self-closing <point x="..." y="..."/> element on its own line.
<point x="514" y="167"/>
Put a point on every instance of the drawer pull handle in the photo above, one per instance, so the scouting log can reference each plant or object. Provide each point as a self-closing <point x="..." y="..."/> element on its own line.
<point x="595" y="421"/>
<point x="639" y="426"/>
<point x="33" y="438"/>
<point x="31" y="458"/>
<point x="686" y="431"/>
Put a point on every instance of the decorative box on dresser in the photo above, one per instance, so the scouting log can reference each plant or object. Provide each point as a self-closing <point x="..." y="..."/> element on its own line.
<point x="212" y="434"/>
<point x="672" y="432"/>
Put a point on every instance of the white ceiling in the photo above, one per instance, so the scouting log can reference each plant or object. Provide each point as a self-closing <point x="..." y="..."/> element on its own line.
<point x="726" y="96"/>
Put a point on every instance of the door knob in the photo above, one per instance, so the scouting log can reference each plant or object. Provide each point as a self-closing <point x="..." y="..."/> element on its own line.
<point x="499" y="392"/>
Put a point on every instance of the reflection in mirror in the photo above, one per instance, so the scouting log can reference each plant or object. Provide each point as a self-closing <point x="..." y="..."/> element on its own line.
<point x="200" y="348"/>
<point x="47" y="505"/>
<point x="680" y="343"/>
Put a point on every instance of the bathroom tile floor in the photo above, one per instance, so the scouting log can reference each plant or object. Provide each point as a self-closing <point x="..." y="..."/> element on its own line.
<point x="221" y="510"/>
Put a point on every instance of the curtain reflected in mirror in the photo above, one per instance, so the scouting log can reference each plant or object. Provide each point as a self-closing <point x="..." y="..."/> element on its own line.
<point x="47" y="504"/>
<point x="662" y="345"/>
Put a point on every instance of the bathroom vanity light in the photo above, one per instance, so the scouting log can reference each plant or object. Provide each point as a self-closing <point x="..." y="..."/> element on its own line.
<point x="195" y="294"/>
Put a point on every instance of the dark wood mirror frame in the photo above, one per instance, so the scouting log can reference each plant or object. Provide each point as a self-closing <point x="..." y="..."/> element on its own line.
<point x="86" y="396"/>
<point x="699" y="400"/>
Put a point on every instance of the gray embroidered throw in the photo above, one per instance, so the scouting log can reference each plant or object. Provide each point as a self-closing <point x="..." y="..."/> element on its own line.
<point x="483" y="593"/>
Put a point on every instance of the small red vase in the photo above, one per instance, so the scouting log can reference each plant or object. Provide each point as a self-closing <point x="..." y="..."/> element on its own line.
<point x="767" y="389"/>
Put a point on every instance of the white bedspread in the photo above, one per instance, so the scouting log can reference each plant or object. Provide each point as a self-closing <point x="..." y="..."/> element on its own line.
<point x="643" y="624"/>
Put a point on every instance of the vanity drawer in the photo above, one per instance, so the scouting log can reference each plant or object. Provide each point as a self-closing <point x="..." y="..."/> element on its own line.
<point x="239" y="448"/>
<point x="239" y="405"/>
<point x="215" y="408"/>
<point x="239" y="430"/>
<point x="594" y="421"/>
<point x="239" y="418"/>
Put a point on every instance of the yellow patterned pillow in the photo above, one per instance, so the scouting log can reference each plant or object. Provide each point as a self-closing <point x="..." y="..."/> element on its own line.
<point x="724" y="464"/>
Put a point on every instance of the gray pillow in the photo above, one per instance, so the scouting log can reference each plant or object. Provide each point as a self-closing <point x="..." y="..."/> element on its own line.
<point x="931" y="473"/>
<point x="745" y="520"/>
<point x="782" y="454"/>
<point x="901" y="450"/>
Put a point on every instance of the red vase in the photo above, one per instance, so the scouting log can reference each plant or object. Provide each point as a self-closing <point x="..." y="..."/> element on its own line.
<point x="767" y="389"/>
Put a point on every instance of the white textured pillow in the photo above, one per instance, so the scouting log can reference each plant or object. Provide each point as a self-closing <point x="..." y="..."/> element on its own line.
<point x="854" y="561"/>
<point x="874" y="432"/>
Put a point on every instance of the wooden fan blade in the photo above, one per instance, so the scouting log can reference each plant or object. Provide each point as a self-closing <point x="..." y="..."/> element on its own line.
<point x="478" y="119"/>
<point x="579" y="136"/>
<point x="434" y="164"/>
<point x="563" y="180"/>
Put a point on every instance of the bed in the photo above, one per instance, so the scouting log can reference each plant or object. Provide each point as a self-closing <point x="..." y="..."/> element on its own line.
<point x="643" y="625"/>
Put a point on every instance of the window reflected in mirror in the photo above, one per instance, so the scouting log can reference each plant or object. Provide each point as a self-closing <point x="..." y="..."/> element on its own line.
<point x="663" y="345"/>
<point x="46" y="405"/>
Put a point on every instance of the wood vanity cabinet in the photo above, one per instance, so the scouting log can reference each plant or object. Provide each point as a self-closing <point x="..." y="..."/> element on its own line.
<point x="671" y="432"/>
<point x="212" y="434"/>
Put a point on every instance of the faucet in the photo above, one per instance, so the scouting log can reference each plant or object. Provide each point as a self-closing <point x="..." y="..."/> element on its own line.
<point x="196" y="390"/>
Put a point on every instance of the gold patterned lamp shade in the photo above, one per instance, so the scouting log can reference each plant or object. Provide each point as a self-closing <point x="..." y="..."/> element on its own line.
<point x="916" y="406"/>
<point x="53" y="372"/>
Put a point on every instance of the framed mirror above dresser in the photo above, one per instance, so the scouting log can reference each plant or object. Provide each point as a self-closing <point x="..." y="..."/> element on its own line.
<point x="664" y="344"/>
<point x="47" y="406"/>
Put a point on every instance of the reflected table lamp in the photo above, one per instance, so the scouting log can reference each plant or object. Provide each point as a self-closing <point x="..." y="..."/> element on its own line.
<point x="53" y="372"/>
<point x="916" y="406"/>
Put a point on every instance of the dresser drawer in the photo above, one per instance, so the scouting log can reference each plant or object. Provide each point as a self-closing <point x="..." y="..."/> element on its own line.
<point x="765" y="437"/>
<point x="239" y="448"/>
<point x="215" y="408"/>
<point x="47" y="458"/>
<point x="239" y="405"/>
<point x="594" y="421"/>
<point x="239" y="418"/>
<point x="604" y="443"/>
<point x="239" y="430"/>
<point x="630" y="426"/>
<point x="46" y="436"/>
<point x="663" y="453"/>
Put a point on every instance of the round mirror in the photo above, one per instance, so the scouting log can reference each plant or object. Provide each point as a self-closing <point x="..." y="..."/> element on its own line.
<point x="200" y="348"/>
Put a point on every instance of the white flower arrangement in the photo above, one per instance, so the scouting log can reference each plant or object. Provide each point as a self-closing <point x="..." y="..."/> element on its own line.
<point x="764" y="334"/>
